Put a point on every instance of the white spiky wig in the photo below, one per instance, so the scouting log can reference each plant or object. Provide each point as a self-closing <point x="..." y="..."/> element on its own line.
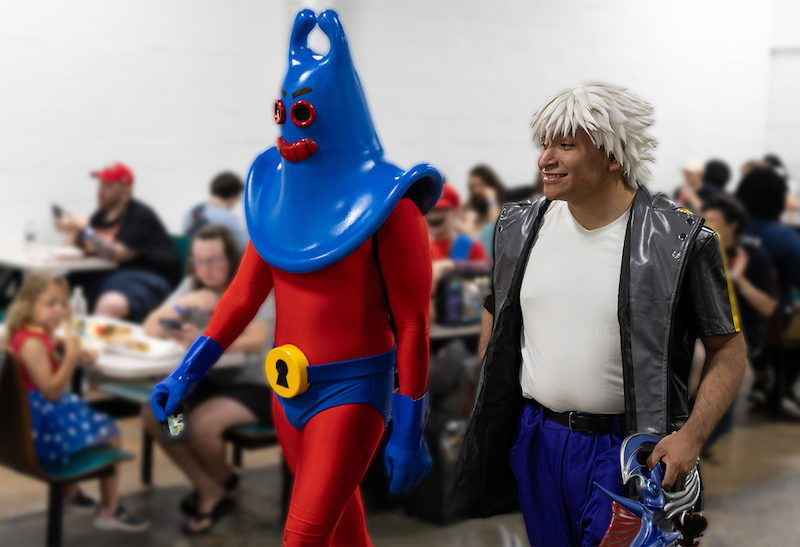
<point x="613" y="117"/>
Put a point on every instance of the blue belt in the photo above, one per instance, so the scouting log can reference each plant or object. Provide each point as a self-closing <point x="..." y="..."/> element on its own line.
<point x="368" y="380"/>
<point x="355" y="368"/>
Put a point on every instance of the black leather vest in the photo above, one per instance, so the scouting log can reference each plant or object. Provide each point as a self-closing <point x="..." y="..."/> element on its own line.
<point x="656" y="350"/>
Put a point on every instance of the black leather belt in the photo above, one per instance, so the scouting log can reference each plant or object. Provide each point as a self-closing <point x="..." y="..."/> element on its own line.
<point x="580" y="422"/>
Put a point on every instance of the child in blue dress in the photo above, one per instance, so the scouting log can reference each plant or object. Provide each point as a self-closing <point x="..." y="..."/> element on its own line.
<point x="63" y="424"/>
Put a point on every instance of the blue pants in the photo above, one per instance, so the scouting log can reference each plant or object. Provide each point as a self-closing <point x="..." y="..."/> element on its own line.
<point x="555" y="471"/>
<point x="144" y="290"/>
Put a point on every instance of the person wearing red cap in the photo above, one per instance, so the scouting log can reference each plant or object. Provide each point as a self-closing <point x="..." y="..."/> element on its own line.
<point x="128" y="232"/>
<point x="448" y="246"/>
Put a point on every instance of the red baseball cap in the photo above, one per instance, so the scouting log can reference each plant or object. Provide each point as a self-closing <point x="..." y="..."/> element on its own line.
<point x="119" y="173"/>
<point x="449" y="199"/>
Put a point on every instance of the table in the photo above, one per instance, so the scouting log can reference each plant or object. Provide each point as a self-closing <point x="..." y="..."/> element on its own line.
<point x="15" y="257"/>
<point x="439" y="332"/>
<point x="134" y="366"/>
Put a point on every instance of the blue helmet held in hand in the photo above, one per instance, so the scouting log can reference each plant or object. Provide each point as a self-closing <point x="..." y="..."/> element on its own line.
<point x="326" y="187"/>
<point x="633" y="520"/>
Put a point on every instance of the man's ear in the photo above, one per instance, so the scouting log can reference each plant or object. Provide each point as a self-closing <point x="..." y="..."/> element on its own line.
<point x="613" y="164"/>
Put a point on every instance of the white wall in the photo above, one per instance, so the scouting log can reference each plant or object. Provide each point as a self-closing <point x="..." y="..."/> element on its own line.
<point x="182" y="89"/>
<point x="456" y="82"/>
<point x="178" y="90"/>
<point x="783" y="125"/>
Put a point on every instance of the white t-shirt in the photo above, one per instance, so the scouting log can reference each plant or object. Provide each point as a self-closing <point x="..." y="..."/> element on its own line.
<point x="571" y="351"/>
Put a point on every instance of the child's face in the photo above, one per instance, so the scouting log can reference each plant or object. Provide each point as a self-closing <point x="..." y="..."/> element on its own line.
<point x="51" y="308"/>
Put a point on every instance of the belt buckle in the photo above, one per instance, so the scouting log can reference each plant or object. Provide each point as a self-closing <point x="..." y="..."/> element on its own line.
<point x="572" y="421"/>
<point x="287" y="371"/>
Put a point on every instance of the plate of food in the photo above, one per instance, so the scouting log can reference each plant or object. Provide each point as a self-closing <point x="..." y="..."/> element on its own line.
<point x="145" y="347"/>
<point x="122" y="339"/>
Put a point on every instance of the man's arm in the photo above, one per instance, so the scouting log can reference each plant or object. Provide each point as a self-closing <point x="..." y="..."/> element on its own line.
<point x="722" y="375"/>
<point x="487" y="320"/>
<point x="711" y="313"/>
<point x="96" y="244"/>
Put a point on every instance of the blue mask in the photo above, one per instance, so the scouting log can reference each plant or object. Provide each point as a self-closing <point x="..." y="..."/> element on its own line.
<point x="326" y="187"/>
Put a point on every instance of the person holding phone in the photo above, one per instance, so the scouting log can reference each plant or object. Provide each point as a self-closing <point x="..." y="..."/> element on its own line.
<point x="128" y="232"/>
<point x="225" y="397"/>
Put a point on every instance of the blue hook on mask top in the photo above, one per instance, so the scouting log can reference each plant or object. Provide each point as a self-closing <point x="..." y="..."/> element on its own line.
<point x="326" y="187"/>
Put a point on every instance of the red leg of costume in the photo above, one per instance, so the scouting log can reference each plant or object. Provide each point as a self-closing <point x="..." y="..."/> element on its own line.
<point x="329" y="457"/>
<point x="332" y="315"/>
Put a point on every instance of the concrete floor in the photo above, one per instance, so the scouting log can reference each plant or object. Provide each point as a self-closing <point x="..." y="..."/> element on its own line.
<point x="752" y="482"/>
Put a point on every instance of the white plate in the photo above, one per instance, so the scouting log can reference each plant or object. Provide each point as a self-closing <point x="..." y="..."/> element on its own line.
<point x="158" y="349"/>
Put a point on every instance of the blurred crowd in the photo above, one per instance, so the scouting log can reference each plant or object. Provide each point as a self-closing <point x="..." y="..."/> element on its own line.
<point x="757" y="222"/>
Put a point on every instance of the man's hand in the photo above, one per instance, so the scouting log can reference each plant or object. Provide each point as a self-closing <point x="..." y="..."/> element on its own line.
<point x="71" y="223"/>
<point x="680" y="452"/>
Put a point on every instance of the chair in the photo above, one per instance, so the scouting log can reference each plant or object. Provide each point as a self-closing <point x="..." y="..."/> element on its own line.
<point x="138" y="395"/>
<point x="254" y="436"/>
<point x="242" y="437"/>
<point x="183" y="244"/>
<point x="17" y="451"/>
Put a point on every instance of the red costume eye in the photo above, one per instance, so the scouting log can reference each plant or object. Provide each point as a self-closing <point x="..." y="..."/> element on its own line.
<point x="302" y="114"/>
<point x="280" y="112"/>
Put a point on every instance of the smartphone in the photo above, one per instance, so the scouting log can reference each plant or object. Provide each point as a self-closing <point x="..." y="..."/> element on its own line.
<point x="176" y="428"/>
<point x="170" y="324"/>
<point x="58" y="212"/>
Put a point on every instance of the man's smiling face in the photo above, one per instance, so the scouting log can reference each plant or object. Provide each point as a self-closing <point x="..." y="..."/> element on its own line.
<point x="572" y="168"/>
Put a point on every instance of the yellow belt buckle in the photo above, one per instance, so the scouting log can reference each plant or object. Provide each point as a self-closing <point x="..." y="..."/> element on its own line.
<point x="287" y="372"/>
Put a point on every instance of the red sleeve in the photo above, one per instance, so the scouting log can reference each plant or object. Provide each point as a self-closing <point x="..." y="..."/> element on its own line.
<point x="241" y="302"/>
<point x="477" y="252"/>
<point x="405" y="256"/>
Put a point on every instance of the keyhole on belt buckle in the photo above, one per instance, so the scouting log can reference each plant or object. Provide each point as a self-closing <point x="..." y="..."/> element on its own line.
<point x="283" y="370"/>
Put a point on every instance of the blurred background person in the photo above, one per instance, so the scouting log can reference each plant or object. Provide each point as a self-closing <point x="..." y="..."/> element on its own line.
<point x="226" y="397"/>
<point x="752" y="164"/>
<point x="226" y="191"/>
<point x="485" y="186"/>
<point x="473" y="216"/>
<point x="448" y="244"/>
<point x="756" y="295"/>
<point x="763" y="192"/>
<point x="716" y="175"/>
<point x="691" y="193"/>
<point x="63" y="424"/>
<point x="130" y="233"/>
<point x="792" y="186"/>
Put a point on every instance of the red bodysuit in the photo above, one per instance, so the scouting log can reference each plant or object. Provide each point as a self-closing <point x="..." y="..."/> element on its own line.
<point x="336" y="314"/>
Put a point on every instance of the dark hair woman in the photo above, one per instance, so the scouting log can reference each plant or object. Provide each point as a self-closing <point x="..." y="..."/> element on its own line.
<point x="226" y="397"/>
<point x="487" y="190"/>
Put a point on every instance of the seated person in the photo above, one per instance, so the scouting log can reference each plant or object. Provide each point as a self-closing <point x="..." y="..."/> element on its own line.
<point x="226" y="397"/>
<point x="763" y="193"/>
<point x="448" y="246"/>
<point x="128" y="232"/>
<point x="63" y="424"/>
<point x="756" y="295"/>
<point x="751" y="268"/>
<point x="226" y="189"/>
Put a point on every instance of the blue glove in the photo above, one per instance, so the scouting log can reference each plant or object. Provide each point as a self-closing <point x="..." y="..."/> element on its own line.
<point x="407" y="457"/>
<point x="177" y="386"/>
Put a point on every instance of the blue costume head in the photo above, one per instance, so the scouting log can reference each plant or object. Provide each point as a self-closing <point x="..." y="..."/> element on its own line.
<point x="326" y="187"/>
